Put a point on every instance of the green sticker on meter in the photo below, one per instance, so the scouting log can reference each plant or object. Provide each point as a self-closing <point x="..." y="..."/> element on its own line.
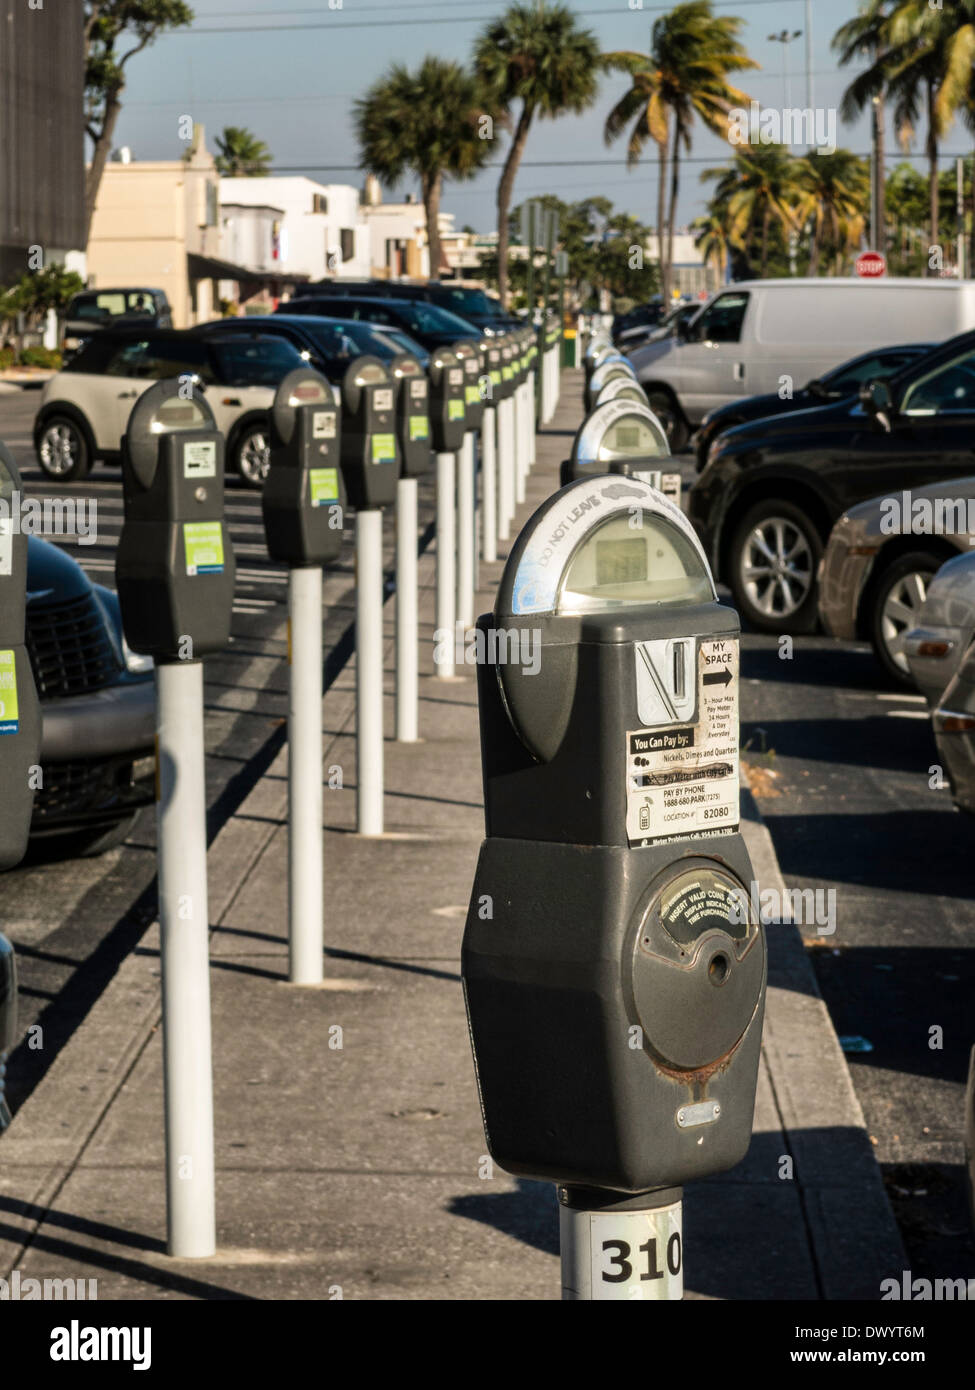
<point x="472" y="395"/>
<point x="384" y="448"/>
<point x="204" y="547"/>
<point x="506" y="373"/>
<point x="496" y="378"/>
<point x="9" y="715"/>
<point x="456" y="410"/>
<point x="419" y="427"/>
<point x="323" y="485"/>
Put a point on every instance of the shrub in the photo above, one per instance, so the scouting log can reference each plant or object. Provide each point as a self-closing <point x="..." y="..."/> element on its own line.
<point x="41" y="357"/>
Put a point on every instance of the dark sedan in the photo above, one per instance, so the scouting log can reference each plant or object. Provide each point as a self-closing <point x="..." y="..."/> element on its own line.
<point x="772" y="490"/>
<point x="329" y="343"/>
<point x="432" y="327"/>
<point x="837" y="385"/>
<point x="467" y="301"/>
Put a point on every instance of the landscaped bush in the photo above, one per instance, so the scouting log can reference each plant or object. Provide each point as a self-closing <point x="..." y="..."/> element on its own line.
<point x="41" y="357"/>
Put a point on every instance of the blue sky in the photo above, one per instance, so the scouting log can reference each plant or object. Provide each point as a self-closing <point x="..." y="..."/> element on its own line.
<point x="290" y="75"/>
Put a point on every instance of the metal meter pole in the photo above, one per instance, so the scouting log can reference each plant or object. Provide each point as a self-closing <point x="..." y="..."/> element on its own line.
<point x="407" y="622"/>
<point x="616" y="1246"/>
<point x="506" y="482"/>
<point x="306" y="894"/>
<point x="489" y="473"/>
<point x="369" y="670"/>
<point x="465" y="532"/>
<point x="185" y="959"/>
<point x="446" y="559"/>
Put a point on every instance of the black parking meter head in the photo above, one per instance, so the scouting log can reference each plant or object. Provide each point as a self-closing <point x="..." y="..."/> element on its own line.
<point x="20" y="717"/>
<point x="370" y="452"/>
<point x="174" y="567"/>
<point x="493" y="373"/>
<point x="509" y="357"/>
<point x="303" y="500"/>
<point x="613" y="966"/>
<point x="448" y="410"/>
<point x="469" y="352"/>
<point x="620" y="429"/>
<point x="412" y="416"/>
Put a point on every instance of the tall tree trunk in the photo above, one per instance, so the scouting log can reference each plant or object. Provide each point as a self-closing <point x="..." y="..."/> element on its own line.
<point x="932" y="153"/>
<point x="765" y="222"/>
<point x="431" y="186"/>
<point x="815" y="248"/>
<point x="505" y="189"/>
<point x="103" y="148"/>
<point x="662" y="225"/>
<point x="879" y="176"/>
<point x="674" y="189"/>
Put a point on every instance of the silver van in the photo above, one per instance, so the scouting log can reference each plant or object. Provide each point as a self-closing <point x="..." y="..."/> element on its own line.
<point x="762" y="336"/>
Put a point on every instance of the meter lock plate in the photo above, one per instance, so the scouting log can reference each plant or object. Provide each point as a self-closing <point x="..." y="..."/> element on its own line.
<point x="697" y="968"/>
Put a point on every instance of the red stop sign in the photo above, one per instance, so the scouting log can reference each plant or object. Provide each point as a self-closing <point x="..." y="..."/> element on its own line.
<point x="870" y="265"/>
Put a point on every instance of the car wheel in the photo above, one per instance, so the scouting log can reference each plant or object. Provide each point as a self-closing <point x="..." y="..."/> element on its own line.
<point x="252" y="455"/>
<point x="774" y="558"/>
<point x="894" y="607"/>
<point x="62" y="449"/>
<point x="86" y="844"/>
<point x="670" y="415"/>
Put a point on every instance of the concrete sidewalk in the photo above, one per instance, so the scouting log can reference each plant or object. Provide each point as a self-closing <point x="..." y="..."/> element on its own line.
<point x="351" y="1158"/>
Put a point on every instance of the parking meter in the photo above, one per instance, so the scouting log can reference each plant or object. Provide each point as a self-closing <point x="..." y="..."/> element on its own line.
<point x="412" y="416"/>
<point x="613" y="369"/>
<point x="596" y="354"/>
<point x="370" y="455"/>
<point x="613" y="969"/>
<point x="621" y="388"/>
<point x="448" y="410"/>
<point x="470" y="357"/>
<point x="303" y="500"/>
<point x="620" y="429"/>
<point x="493" y="371"/>
<point x="8" y="1019"/>
<point x="20" y="718"/>
<point x="174" y="567"/>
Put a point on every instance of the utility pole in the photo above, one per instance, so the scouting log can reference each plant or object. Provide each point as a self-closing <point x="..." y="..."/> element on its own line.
<point x="785" y="37"/>
<point x="810" y="86"/>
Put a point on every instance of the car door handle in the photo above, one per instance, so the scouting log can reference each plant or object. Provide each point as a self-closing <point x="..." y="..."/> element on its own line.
<point x="739" y="371"/>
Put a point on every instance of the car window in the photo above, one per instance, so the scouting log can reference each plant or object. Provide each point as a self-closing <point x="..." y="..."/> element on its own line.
<point x="105" y="305"/>
<point x="845" y="380"/>
<point x="948" y="388"/>
<point x="428" y="318"/>
<point x="334" y="340"/>
<point x="256" y="363"/>
<point x="721" y="321"/>
<point x="463" y="301"/>
<point x="166" y="358"/>
<point x="129" y="359"/>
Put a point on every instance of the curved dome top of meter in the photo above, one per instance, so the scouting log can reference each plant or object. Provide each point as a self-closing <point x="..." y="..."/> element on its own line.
<point x="629" y="546"/>
<point x="618" y="387"/>
<point x="620" y="429"/>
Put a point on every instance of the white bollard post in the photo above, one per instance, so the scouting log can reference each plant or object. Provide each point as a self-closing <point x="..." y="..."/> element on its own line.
<point x="185" y="960"/>
<point x="446" y="568"/>
<point x="489" y="477"/>
<point x="506" y="492"/>
<point x="407" y="623"/>
<point x="465" y="533"/>
<point x="369" y="671"/>
<point x="306" y="894"/>
<point x="521" y="463"/>
<point x="593" y="1236"/>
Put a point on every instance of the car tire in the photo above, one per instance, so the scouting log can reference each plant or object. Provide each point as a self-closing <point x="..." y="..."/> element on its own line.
<point x="670" y="415"/>
<point x="87" y="844"/>
<point x="251" y="458"/>
<point x="893" y="606"/>
<point x="63" y="452"/>
<point x="775" y="555"/>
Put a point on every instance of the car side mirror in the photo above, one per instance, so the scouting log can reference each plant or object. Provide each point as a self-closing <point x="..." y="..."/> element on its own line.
<point x="877" y="401"/>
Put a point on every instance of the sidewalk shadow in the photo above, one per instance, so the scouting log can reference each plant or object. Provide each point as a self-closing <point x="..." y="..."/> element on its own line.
<point x="530" y="1215"/>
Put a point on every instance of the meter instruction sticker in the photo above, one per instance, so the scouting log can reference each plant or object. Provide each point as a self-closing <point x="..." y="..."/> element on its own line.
<point x="636" y="1255"/>
<point x="383" y="448"/>
<point x="200" y="459"/>
<point x="682" y="776"/>
<point x="419" y="427"/>
<point x="203" y="541"/>
<point x="323" y="423"/>
<point x="383" y="400"/>
<point x="418" y="390"/>
<point x="9" y="711"/>
<point x="323" y="486"/>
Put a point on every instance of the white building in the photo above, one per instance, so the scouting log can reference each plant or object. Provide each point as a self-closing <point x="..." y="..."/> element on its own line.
<point x="320" y="231"/>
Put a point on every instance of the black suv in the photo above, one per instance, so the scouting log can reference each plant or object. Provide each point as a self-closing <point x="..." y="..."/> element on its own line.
<point x="771" y="491"/>
<point x="115" y="308"/>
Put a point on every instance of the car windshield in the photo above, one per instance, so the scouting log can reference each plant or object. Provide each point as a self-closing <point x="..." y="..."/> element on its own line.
<point x="466" y="301"/>
<point x="104" y="305"/>
<point x="876" y="366"/>
<point x="257" y="362"/>
<point x="346" y="339"/>
<point x="428" y="318"/>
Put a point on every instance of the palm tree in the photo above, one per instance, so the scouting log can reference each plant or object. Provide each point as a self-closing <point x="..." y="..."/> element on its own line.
<point x="835" y="190"/>
<point x="425" y="122"/>
<point x="241" y="154"/>
<point x="712" y="239"/>
<point x="864" y="37"/>
<point x="537" y="55"/>
<point x="684" y="75"/>
<point x="759" y="188"/>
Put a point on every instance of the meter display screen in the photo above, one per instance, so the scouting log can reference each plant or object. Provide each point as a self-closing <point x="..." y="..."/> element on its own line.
<point x="633" y="437"/>
<point x="309" y="392"/>
<point x="370" y="375"/>
<point x="634" y="558"/>
<point x="175" y="413"/>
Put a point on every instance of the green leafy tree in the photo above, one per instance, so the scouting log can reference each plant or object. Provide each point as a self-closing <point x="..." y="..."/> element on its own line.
<point x="241" y="154"/>
<point x="115" y="31"/>
<point x="428" y="123"/>
<point x="760" y="190"/>
<point x="864" y="38"/>
<point x="834" y="188"/>
<point x="684" y="76"/>
<point x="37" y="291"/>
<point x="538" y="57"/>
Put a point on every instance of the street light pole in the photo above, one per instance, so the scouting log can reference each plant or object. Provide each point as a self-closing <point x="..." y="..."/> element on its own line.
<point x="785" y="37"/>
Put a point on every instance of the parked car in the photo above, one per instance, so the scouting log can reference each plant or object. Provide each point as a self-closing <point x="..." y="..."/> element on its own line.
<point x="954" y="733"/>
<point x="95" y="309"/>
<point x="751" y="335"/>
<point x="945" y="627"/>
<point x="637" y="321"/>
<point x="97" y="701"/>
<point x="880" y="566"/>
<point x="327" y="344"/>
<point x="467" y="301"/>
<point x="837" y="385"/>
<point x="773" y="489"/>
<point x="86" y="406"/>
<point x="429" y="325"/>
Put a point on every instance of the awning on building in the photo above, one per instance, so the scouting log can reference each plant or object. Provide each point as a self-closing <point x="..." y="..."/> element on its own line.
<point x="210" y="268"/>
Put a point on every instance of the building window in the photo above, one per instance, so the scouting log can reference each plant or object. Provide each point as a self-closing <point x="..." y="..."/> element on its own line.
<point x="319" y="203"/>
<point x="212" y="204"/>
<point x="347" y="240"/>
